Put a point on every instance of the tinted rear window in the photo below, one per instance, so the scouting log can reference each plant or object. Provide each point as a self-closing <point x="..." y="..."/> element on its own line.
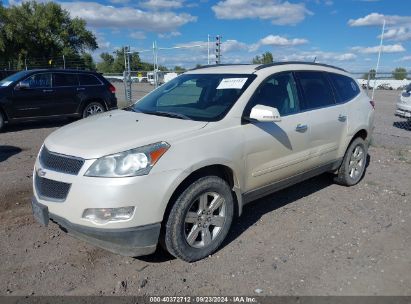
<point x="316" y="90"/>
<point x="64" y="80"/>
<point x="345" y="87"/>
<point x="87" y="79"/>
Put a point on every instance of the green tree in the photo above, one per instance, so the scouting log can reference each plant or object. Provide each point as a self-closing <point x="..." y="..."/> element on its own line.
<point x="106" y="63"/>
<point x="88" y="61"/>
<point x="179" y="69"/>
<point x="371" y="73"/>
<point x="399" y="73"/>
<point x="265" y="58"/>
<point x="40" y="32"/>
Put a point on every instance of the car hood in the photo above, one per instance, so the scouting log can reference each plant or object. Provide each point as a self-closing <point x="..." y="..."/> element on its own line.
<point x="117" y="131"/>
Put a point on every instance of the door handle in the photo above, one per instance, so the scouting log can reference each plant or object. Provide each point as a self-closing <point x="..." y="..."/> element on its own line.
<point x="80" y="89"/>
<point x="47" y="91"/>
<point x="301" y="128"/>
<point x="342" y="118"/>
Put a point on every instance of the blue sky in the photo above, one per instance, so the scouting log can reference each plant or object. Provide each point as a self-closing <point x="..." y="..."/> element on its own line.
<point x="340" y="32"/>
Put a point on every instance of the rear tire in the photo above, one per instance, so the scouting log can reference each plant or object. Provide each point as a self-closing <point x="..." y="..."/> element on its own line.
<point x="200" y="219"/>
<point x="93" y="108"/>
<point x="354" y="162"/>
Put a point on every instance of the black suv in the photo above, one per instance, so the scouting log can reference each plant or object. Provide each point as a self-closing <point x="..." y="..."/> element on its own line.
<point x="39" y="94"/>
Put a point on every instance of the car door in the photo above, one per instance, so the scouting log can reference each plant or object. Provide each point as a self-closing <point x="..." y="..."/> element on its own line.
<point x="276" y="151"/>
<point x="33" y="97"/>
<point x="65" y="87"/>
<point x="327" y="120"/>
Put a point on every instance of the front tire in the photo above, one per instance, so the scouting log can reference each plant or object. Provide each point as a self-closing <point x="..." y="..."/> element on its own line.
<point x="354" y="162"/>
<point x="200" y="219"/>
<point x="93" y="108"/>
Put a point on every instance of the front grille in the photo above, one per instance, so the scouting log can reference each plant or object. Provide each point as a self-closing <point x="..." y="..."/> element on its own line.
<point x="51" y="190"/>
<point x="60" y="163"/>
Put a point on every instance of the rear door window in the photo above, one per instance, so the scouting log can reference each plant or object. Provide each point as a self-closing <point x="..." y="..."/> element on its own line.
<point x="64" y="80"/>
<point x="88" y="79"/>
<point x="316" y="90"/>
<point x="345" y="87"/>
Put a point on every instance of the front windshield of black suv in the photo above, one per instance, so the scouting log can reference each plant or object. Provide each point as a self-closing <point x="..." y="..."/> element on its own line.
<point x="12" y="78"/>
<point x="201" y="97"/>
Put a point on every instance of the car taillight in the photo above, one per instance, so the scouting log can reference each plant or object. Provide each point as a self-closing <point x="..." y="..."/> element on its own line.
<point x="372" y="103"/>
<point x="112" y="88"/>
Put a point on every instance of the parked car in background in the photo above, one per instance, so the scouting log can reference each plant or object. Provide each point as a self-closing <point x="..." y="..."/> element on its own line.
<point x="41" y="94"/>
<point x="404" y="104"/>
<point x="384" y="86"/>
<point x="180" y="163"/>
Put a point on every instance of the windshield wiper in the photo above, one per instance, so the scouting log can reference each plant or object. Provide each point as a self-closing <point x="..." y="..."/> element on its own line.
<point x="168" y="114"/>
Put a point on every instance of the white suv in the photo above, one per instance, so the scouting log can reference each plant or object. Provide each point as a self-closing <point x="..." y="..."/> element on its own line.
<point x="179" y="164"/>
<point x="404" y="104"/>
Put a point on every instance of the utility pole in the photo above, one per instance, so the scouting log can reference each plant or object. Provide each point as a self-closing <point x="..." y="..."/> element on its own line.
<point x="64" y="62"/>
<point x="218" y="49"/>
<point x="208" y="49"/>
<point x="127" y="74"/>
<point x="379" y="58"/>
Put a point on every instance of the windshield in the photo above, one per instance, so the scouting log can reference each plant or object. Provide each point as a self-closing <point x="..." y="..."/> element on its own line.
<point x="12" y="78"/>
<point x="201" y="97"/>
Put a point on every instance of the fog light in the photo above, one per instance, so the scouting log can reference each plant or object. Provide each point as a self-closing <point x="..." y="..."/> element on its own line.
<point x="105" y="215"/>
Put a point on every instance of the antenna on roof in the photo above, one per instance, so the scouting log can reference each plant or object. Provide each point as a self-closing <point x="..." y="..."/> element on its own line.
<point x="315" y="59"/>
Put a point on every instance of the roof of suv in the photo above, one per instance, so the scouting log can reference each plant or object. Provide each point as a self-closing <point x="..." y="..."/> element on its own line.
<point x="252" y="68"/>
<point x="62" y="70"/>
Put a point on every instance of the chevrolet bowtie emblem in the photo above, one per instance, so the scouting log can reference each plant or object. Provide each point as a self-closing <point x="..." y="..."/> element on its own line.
<point x="41" y="172"/>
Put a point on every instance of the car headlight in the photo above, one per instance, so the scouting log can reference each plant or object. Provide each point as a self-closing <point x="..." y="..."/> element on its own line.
<point x="129" y="163"/>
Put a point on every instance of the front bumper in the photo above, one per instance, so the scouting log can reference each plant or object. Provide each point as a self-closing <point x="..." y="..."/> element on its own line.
<point x="133" y="241"/>
<point x="403" y="110"/>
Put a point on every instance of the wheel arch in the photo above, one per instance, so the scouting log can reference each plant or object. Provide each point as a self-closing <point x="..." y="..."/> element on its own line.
<point x="4" y="113"/>
<point x="223" y="171"/>
<point x="87" y="101"/>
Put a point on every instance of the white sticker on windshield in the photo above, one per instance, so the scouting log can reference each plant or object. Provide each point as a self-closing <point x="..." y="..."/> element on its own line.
<point x="232" y="83"/>
<point x="7" y="83"/>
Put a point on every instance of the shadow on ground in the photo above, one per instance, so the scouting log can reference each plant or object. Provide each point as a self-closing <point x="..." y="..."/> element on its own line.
<point x="8" y="151"/>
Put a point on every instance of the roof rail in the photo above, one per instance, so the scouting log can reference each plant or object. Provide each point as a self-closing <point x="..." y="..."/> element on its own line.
<point x="263" y="66"/>
<point x="218" y="65"/>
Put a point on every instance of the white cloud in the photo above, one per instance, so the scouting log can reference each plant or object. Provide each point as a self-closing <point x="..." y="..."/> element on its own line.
<point x="279" y="41"/>
<point x="405" y="58"/>
<point x="99" y="15"/>
<point x="398" y="27"/>
<point x="391" y="48"/>
<point x="319" y="56"/>
<point x="119" y="1"/>
<point x="162" y="4"/>
<point x="139" y="35"/>
<point x="376" y="19"/>
<point x="169" y="35"/>
<point x="278" y="11"/>
<point x="232" y="46"/>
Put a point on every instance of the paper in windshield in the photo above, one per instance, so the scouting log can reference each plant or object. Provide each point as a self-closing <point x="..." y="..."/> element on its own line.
<point x="232" y="83"/>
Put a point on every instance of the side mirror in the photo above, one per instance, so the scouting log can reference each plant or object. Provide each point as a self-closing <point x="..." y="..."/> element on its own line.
<point x="265" y="114"/>
<point x="22" y="85"/>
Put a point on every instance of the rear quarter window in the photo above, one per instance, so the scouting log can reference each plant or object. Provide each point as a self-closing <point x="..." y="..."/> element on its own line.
<point x="64" y="80"/>
<point x="345" y="87"/>
<point x="88" y="79"/>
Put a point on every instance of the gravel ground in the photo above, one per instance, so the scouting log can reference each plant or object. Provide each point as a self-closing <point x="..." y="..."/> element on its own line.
<point x="315" y="238"/>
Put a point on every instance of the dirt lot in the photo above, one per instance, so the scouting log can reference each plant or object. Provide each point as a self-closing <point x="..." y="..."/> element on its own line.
<point x="315" y="238"/>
